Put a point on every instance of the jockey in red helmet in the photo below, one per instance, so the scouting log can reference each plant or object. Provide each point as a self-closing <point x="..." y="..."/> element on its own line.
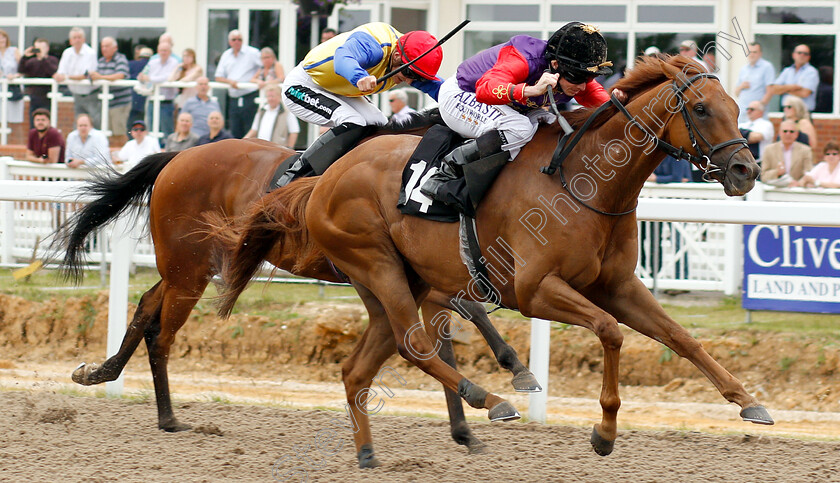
<point x="329" y="86"/>
<point x="497" y="97"/>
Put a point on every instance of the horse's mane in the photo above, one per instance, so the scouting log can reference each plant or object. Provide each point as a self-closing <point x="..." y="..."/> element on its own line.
<point x="646" y="74"/>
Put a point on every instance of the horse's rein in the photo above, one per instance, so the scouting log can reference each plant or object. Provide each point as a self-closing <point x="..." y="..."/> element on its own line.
<point x="564" y="147"/>
<point x="690" y="125"/>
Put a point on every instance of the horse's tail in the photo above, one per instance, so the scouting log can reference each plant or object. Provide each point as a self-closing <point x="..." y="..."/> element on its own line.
<point x="275" y="220"/>
<point x="115" y="194"/>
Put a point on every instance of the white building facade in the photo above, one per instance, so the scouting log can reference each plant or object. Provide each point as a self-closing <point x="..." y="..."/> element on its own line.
<point x="630" y="26"/>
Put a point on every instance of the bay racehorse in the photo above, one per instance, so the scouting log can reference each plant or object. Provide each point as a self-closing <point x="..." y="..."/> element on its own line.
<point x="572" y="246"/>
<point x="220" y="180"/>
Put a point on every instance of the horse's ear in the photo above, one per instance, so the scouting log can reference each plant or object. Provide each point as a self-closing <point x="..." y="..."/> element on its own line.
<point x="669" y="70"/>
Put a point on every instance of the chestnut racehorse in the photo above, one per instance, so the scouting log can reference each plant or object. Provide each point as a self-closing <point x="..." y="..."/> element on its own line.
<point x="560" y="254"/>
<point x="221" y="180"/>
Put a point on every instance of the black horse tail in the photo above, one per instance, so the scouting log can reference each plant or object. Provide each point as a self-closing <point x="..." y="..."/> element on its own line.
<point x="114" y="194"/>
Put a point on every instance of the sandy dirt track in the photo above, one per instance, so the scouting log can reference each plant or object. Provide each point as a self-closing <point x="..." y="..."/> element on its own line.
<point x="250" y="392"/>
<point x="54" y="437"/>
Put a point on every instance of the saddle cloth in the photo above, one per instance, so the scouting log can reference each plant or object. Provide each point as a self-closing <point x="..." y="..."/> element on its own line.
<point x="425" y="162"/>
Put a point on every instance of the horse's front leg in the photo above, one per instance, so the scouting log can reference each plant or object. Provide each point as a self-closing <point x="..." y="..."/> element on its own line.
<point x="632" y="303"/>
<point x="523" y="379"/>
<point x="554" y="299"/>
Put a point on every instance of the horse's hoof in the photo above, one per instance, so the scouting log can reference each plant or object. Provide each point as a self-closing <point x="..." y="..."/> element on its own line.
<point x="526" y="382"/>
<point x="366" y="457"/>
<point x="81" y="375"/>
<point x="504" y="411"/>
<point x="757" y="415"/>
<point x="476" y="446"/>
<point x="175" y="427"/>
<point x="602" y="446"/>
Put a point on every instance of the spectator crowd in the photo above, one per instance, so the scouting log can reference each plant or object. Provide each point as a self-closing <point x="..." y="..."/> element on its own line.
<point x="785" y="154"/>
<point x="253" y="106"/>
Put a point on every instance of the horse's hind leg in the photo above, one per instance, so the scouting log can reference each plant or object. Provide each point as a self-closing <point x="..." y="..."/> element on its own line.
<point x="438" y="325"/>
<point x="148" y="310"/>
<point x="177" y="304"/>
<point x="358" y="370"/>
<point x="633" y="304"/>
<point x="506" y="356"/>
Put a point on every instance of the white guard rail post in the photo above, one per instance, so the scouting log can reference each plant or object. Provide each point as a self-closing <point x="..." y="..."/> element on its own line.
<point x="122" y="245"/>
<point x="7" y="217"/>
<point x="540" y="341"/>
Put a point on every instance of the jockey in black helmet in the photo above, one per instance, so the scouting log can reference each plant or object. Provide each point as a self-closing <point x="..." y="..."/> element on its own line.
<point x="497" y="97"/>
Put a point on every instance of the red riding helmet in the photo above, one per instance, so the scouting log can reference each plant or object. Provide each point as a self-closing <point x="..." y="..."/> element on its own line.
<point x="413" y="44"/>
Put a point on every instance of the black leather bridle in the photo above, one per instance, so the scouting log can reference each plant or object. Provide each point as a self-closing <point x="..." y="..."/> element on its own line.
<point x="701" y="159"/>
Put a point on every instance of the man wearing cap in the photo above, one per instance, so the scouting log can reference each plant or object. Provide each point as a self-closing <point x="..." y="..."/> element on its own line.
<point x="497" y="96"/>
<point x="135" y="68"/>
<point x="688" y="49"/>
<point x="329" y="86"/>
<point x="138" y="148"/>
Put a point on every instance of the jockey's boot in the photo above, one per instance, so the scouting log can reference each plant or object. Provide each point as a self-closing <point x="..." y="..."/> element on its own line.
<point x="324" y="151"/>
<point x="448" y="185"/>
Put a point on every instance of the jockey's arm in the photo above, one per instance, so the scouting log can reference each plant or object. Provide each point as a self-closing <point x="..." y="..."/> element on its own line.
<point x="359" y="52"/>
<point x="430" y="87"/>
<point x="505" y="82"/>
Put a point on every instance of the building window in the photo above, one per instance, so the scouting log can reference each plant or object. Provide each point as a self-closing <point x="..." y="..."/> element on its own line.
<point x="350" y="18"/>
<point x="477" y="41"/>
<point x="220" y="23"/>
<point x="503" y="13"/>
<point x="796" y="15"/>
<point x="676" y="14"/>
<point x="58" y="9"/>
<point x="589" y="13"/>
<point x="8" y="9"/>
<point x="123" y="10"/>
<point x="58" y="37"/>
<point x="778" y="50"/>
<point x="129" y="37"/>
<point x="13" y="37"/>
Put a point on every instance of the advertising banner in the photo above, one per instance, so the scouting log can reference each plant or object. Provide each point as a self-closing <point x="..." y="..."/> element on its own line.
<point x="792" y="268"/>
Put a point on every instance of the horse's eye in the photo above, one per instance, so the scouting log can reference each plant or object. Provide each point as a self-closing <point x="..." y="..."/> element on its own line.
<point x="700" y="109"/>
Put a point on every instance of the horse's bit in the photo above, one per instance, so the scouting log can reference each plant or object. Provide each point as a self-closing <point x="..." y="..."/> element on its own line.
<point x="565" y="145"/>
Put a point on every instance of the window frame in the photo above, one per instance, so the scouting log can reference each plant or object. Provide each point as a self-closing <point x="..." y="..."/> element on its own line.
<point x="631" y="26"/>
<point x="832" y="28"/>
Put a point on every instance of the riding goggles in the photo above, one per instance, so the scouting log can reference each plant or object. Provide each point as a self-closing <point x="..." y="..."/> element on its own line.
<point x="577" y="78"/>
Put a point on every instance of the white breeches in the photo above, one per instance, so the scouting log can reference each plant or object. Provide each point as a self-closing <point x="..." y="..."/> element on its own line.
<point x="470" y="118"/>
<point x="311" y="103"/>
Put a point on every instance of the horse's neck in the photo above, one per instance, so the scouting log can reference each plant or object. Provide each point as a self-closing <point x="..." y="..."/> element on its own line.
<point x="618" y="160"/>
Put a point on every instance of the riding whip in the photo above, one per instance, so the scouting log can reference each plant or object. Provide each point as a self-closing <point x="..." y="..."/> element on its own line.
<point x="438" y="44"/>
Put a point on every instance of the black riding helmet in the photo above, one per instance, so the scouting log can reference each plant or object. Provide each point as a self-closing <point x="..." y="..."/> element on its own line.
<point x="580" y="50"/>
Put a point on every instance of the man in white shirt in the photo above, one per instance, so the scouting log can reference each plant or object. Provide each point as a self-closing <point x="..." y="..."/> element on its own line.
<point x="239" y="63"/>
<point x="159" y="71"/>
<point x="800" y="79"/>
<point x="86" y="145"/>
<point x="273" y="122"/>
<point x="753" y="80"/>
<point x="757" y="130"/>
<point x="76" y="62"/>
<point x="398" y="100"/>
<point x="138" y="148"/>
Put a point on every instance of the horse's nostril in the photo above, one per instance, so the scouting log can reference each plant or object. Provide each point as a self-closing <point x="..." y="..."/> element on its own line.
<point x="740" y="169"/>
